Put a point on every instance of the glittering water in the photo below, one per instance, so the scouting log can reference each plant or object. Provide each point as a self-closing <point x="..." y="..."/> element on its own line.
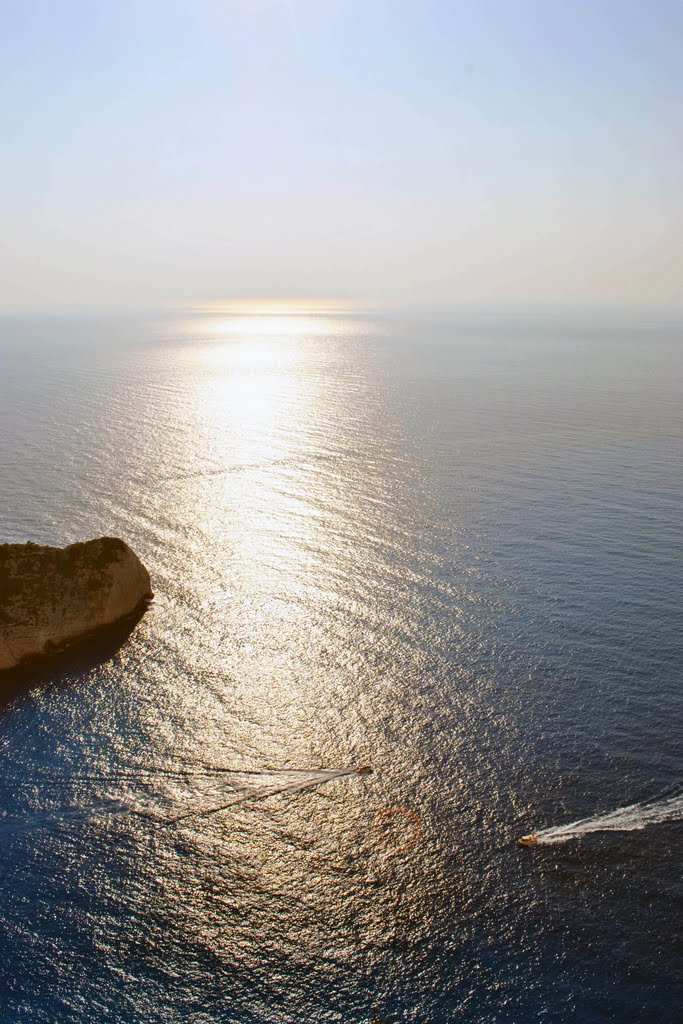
<point x="450" y="550"/>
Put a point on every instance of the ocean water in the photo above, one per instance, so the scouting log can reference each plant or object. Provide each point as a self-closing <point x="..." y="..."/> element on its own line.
<point x="447" y="548"/>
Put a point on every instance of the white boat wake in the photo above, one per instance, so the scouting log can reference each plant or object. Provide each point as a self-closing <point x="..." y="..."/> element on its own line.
<point x="624" y="819"/>
<point x="251" y="788"/>
<point x="167" y="798"/>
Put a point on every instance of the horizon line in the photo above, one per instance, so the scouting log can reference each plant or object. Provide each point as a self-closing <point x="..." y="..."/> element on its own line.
<point x="336" y="307"/>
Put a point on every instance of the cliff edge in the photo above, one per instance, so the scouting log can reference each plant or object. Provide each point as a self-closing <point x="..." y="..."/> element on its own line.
<point x="51" y="597"/>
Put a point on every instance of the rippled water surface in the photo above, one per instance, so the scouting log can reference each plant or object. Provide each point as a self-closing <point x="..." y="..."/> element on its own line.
<point x="448" y="550"/>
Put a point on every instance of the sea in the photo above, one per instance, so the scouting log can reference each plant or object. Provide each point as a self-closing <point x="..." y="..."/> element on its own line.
<point x="446" y="546"/>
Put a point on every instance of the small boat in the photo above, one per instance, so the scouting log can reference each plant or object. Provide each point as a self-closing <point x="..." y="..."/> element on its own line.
<point x="528" y="840"/>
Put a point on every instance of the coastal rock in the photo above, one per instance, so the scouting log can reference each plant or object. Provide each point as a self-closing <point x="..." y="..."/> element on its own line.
<point x="51" y="597"/>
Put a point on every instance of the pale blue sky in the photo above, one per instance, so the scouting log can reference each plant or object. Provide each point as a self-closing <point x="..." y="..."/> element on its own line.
<point x="165" y="152"/>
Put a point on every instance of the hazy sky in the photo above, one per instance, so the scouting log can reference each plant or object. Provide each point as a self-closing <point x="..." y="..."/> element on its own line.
<point x="157" y="152"/>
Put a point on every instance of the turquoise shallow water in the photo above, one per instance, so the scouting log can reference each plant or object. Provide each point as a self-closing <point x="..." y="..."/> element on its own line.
<point x="450" y="549"/>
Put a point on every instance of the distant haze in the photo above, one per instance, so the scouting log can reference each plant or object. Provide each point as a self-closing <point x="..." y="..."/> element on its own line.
<point x="173" y="152"/>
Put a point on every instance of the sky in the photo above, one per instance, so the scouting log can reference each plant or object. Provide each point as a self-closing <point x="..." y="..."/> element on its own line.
<point x="164" y="153"/>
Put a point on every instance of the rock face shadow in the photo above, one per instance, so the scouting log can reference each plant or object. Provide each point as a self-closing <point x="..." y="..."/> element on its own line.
<point x="60" y="667"/>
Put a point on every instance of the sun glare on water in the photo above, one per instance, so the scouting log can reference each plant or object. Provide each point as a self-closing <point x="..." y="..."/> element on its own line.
<point x="270" y="519"/>
<point x="258" y="435"/>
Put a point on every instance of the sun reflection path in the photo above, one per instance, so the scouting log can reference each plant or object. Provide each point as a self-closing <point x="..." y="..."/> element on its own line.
<point x="290" y="513"/>
<point x="269" y="492"/>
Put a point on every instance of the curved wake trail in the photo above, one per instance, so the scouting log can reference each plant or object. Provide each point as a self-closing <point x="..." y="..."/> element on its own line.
<point x="624" y="819"/>
<point x="173" y="797"/>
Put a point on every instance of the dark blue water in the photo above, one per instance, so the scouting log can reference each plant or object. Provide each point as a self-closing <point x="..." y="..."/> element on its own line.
<point x="449" y="549"/>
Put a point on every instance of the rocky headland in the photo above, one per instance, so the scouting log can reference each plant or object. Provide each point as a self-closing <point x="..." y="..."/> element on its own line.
<point x="51" y="598"/>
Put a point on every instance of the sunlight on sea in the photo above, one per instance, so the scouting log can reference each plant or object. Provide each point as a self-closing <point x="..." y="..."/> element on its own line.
<point x="447" y="550"/>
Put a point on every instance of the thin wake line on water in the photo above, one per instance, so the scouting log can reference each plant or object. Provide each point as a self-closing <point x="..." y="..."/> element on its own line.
<point x="136" y="805"/>
<point x="239" y="467"/>
<point x="625" y="819"/>
<point x="296" y="786"/>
